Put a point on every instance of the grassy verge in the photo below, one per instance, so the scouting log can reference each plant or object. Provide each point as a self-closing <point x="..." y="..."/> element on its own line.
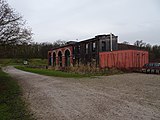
<point x="32" y="62"/>
<point x="5" y="62"/>
<point x="12" y="107"/>
<point x="51" y="72"/>
<point x="37" y="62"/>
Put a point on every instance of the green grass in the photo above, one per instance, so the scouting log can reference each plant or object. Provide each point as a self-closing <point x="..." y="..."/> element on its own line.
<point x="32" y="62"/>
<point x="51" y="72"/>
<point x="12" y="107"/>
<point x="5" y="62"/>
<point x="38" y="62"/>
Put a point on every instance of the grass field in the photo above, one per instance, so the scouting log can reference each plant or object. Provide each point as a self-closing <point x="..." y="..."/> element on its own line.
<point x="12" y="107"/>
<point x="5" y="62"/>
<point x="35" y="62"/>
<point x="52" y="72"/>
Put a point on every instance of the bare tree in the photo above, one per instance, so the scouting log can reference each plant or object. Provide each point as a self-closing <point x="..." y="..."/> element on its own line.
<point x="126" y="43"/>
<point x="140" y="43"/>
<point x="58" y="43"/>
<point x="12" y="27"/>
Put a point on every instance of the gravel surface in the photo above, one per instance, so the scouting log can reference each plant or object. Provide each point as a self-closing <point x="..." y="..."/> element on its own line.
<point x="118" y="97"/>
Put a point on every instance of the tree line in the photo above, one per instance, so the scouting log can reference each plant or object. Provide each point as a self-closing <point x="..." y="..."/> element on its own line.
<point x="29" y="50"/>
<point x="154" y="50"/>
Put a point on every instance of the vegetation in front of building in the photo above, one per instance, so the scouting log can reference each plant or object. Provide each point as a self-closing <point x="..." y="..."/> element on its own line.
<point x="12" y="106"/>
<point x="50" y="72"/>
<point x="72" y="72"/>
<point x="92" y="70"/>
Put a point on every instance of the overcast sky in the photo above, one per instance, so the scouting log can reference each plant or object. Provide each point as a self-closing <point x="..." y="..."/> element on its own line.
<point x="130" y="20"/>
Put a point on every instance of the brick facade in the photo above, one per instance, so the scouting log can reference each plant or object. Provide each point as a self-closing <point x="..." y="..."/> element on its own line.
<point x="87" y="52"/>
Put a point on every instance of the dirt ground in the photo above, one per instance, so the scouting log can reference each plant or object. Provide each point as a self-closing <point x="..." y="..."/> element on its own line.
<point x="118" y="97"/>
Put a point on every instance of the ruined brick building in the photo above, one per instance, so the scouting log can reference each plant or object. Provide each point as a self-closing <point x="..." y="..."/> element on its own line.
<point x="101" y="51"/>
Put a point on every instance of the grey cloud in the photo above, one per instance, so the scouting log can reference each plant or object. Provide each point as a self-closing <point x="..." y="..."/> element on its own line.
<point x="72" y="19"/>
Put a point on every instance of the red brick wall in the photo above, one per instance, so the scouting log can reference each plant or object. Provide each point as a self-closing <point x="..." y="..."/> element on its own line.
<point x="63" y="49"/>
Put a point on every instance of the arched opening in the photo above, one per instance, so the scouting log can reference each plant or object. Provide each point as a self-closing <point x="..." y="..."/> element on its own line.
<point x="60" y="58"/>
<point x="67" y="58"/>
<point x="54" y="59"/>
<point x="49" y="59"/>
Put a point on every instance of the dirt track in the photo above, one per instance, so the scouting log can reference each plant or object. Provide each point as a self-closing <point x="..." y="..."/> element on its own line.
<point x="118" y="97"/>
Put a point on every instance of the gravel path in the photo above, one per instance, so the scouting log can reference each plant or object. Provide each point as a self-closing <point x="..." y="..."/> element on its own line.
<point x="118" y="97"/>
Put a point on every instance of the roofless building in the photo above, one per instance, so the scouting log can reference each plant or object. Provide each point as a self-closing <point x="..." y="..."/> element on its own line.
<point x="102" y="51"/>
